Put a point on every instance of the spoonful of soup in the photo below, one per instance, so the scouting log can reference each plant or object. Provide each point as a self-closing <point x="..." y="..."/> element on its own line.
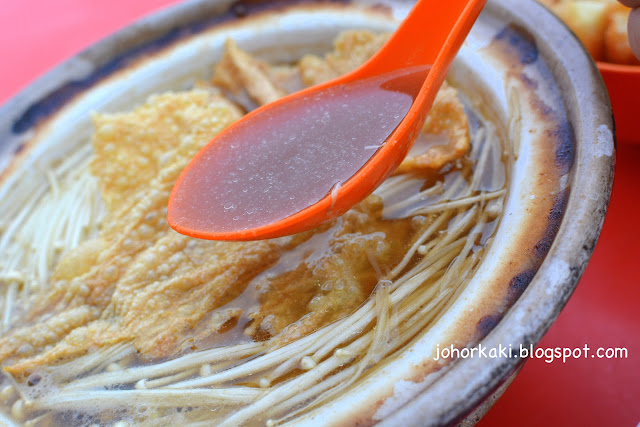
<point x="307" y="158"/>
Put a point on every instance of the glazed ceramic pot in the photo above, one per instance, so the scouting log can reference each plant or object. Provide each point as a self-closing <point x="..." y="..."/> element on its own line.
<point x="541" y="91"/>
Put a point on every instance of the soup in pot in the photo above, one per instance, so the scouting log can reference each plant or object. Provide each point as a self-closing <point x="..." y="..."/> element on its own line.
<point x="109" y="316"/>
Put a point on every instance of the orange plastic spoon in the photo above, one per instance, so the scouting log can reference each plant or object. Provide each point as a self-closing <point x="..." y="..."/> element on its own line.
<point x="307" y="158"/>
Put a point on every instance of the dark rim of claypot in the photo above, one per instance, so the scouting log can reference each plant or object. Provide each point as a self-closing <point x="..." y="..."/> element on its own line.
<point x="471" y="380"/>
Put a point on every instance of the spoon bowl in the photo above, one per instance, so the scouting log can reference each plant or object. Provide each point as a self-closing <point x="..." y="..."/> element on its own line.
<point x="254" y="181"/>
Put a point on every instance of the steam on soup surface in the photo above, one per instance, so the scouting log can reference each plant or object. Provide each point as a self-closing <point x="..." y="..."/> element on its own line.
<point x="111" y="316"/>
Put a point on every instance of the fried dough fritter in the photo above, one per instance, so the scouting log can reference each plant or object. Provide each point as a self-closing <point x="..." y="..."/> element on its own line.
<point x="166" y="293"/>
<point x="601" y="25"/>
<point x="616" y="40"/>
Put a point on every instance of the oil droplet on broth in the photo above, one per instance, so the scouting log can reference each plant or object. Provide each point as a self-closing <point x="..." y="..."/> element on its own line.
<point x="302" y="150"/>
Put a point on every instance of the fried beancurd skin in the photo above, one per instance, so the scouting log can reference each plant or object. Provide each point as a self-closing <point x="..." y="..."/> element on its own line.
<point x="241" y="74"/>
<point x="326" y="285"/>
<point x="81" y="293"/>
<point x="447" y="117"/>
<point x="140" y="282"/>
<point x="351" y="49"/>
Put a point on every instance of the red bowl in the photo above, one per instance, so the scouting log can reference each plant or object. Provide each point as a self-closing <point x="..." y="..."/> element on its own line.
<point x="623" y="83"/>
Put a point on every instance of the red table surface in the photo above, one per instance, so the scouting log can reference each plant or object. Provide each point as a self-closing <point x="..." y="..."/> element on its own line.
<point x="603" y="312"/>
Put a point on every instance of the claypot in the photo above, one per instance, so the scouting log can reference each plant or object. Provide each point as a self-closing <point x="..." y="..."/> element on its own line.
<point x="519" y="66"/>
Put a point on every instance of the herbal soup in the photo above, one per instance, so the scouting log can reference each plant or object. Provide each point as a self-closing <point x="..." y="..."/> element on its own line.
<point x="109" y="316"/>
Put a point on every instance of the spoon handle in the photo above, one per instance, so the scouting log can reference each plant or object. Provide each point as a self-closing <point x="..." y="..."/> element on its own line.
<point x="435" y="27"/>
